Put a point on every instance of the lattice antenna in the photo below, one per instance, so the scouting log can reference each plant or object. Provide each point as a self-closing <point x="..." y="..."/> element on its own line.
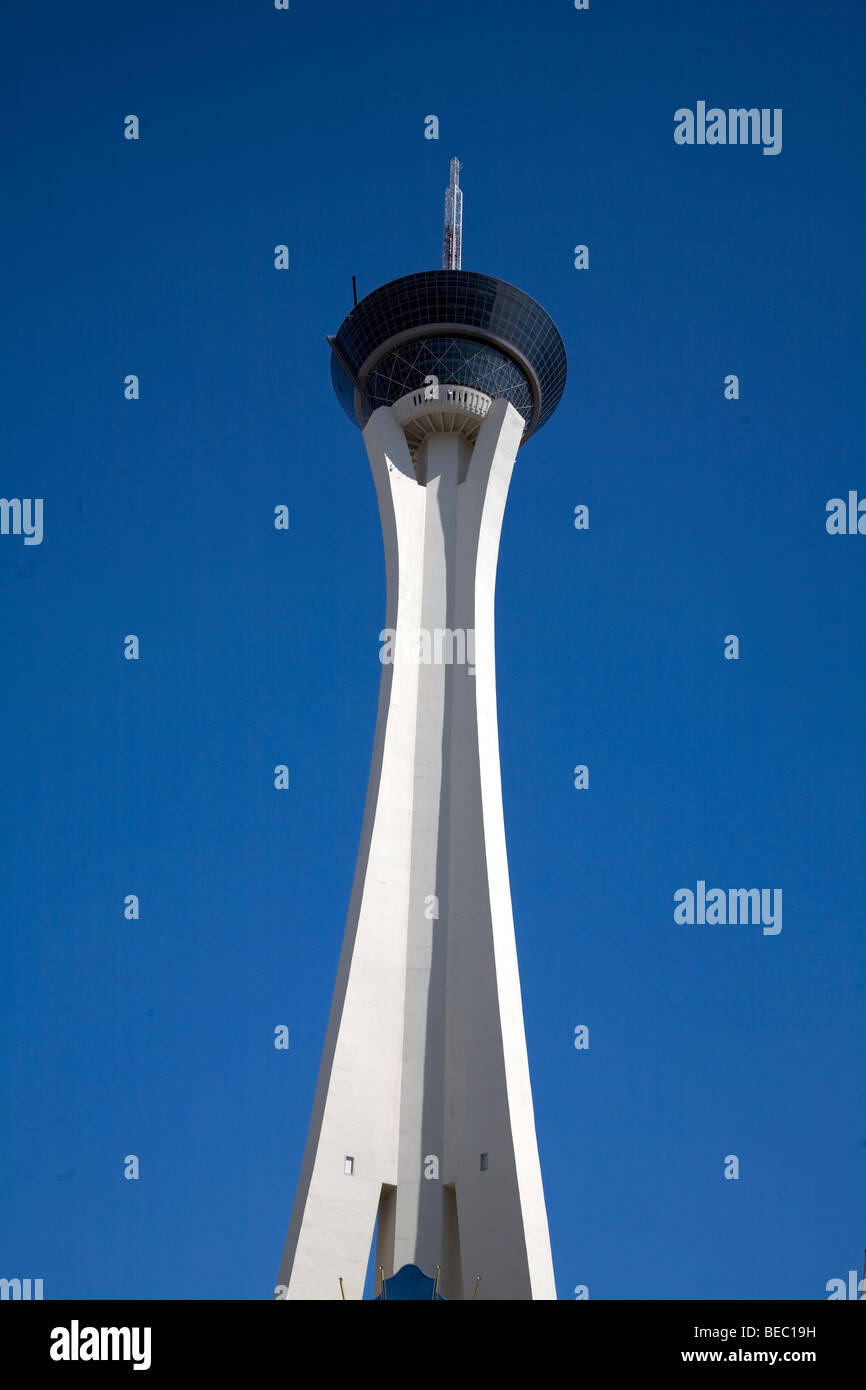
<point x="452" y="242"/>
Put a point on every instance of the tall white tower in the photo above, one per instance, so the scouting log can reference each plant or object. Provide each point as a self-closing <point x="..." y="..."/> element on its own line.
<point x="422" y="1124"/>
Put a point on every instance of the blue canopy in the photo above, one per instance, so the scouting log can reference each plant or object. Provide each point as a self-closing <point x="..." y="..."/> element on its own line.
<point x="410" y="1282"/>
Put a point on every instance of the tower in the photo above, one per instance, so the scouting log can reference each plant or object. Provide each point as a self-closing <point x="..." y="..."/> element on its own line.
<point x="422" y="1123"/>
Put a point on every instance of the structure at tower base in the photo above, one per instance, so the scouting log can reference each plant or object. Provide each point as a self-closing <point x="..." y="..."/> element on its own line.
<point x="423" y="1128"/>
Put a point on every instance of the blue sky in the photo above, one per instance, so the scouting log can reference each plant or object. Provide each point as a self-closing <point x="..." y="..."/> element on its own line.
<point x="258" y="647"/>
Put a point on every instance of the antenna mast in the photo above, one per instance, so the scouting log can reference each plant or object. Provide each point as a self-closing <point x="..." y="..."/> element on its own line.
<point x="452" y="242"/>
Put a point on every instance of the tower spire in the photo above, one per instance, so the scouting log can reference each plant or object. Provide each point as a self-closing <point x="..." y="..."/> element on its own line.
<point x="452" y="241"/>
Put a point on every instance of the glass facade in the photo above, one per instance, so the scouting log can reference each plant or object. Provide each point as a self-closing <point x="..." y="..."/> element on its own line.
<point x="460" y="360"/>
<point x="462" y="300"/>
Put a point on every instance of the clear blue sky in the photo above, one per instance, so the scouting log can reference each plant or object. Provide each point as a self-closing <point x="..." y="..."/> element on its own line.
<point x="258" y="647"/>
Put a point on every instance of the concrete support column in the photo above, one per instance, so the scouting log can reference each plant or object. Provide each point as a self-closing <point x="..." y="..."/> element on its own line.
<point x="424" y="1067"/>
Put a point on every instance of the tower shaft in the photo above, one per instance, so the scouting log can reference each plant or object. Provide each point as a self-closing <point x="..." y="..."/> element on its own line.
<point x="423" y="1113"/>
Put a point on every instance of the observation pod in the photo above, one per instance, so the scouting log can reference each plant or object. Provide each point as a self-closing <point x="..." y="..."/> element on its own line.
<point x="458" y="326"/>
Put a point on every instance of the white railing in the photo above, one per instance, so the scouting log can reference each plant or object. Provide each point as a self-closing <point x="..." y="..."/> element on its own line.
<point x="431" y="398"/>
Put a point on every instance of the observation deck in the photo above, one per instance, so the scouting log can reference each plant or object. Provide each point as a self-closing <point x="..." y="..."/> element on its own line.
<point x="461" y="327"/>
